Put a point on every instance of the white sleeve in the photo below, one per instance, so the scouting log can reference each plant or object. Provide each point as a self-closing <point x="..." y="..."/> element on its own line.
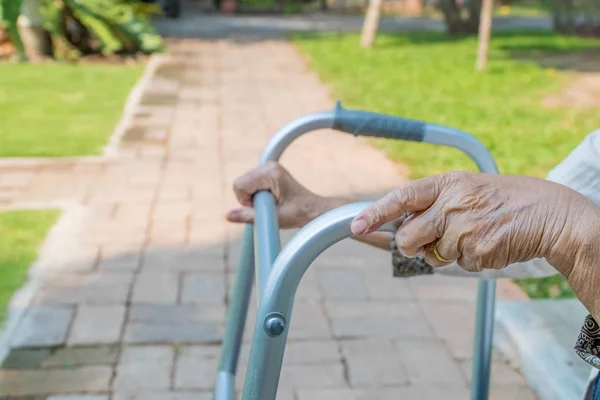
<point x="579" y="171"/>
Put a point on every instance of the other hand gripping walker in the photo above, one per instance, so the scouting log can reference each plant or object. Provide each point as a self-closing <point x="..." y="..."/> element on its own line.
<point x="278" y="272"/>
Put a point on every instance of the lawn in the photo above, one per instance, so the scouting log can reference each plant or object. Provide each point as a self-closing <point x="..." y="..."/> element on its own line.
<point x="21" y="233"/>
<point x="429" y="76"/>
<point x="56" y="110"/>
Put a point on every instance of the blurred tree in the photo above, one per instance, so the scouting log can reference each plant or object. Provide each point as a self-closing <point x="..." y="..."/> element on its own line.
<point x="9" y="14"/>
<point x="371" y="23"/>
<point x="36" y="41"/>
<point x="461" y="17"/>
<point x="576" y="17"/>
<point x="72" y="27"/>
<point x="485" y="32"/>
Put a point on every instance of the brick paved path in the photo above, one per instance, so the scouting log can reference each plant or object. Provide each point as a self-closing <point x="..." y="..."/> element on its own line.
<point x="134" y="308"/>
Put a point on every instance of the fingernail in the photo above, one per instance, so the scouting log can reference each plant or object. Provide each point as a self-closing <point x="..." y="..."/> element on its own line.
<point x="358" y="226"/>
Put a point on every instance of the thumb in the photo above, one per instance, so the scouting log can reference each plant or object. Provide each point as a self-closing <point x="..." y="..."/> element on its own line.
<point x="241" y="215"/>
<point x="410" y="197"/>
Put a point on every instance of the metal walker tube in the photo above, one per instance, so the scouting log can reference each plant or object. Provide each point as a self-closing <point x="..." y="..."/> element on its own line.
<point x="278" y="274"/>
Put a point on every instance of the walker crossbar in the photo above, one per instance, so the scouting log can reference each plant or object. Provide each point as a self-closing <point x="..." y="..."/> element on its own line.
<point x="279" y="272"/>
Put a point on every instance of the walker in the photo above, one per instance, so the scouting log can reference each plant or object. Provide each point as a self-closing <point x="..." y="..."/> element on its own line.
<point x="279" y="271"/>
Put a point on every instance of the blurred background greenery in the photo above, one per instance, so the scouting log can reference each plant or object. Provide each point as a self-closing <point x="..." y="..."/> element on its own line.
<point x="430" y="76"/>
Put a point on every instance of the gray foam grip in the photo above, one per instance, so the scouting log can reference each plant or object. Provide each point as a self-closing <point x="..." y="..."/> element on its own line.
<point x="364" y="123"/>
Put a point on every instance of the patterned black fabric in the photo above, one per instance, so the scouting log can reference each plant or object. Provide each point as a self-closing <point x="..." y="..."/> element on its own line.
<point x="588" y="343"/>
<point x="405" y="267"/>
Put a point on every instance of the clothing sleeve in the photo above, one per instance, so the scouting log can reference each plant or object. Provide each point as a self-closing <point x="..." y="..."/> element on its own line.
<point x="579" y="171"/>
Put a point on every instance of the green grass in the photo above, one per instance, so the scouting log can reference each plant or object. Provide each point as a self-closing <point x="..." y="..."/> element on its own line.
<point x="553" y="287"/>
<point x="425" y="75"/>
<point x="56" y="110"/>
<point x="431" y="77"/>
<point x="21" y="233"/>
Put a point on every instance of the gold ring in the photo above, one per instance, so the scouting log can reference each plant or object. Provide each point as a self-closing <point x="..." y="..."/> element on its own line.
<point x="437" y="255"/>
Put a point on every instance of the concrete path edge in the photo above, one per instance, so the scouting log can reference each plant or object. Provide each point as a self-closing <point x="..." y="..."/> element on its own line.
<point x="60" y="237"/>
<point x="527" y="341"/>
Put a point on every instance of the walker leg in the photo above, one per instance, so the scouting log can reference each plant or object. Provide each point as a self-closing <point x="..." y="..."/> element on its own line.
<point x="266" y="354"/>
<point x="236" y="320"/>
<point x="484" y="332"/>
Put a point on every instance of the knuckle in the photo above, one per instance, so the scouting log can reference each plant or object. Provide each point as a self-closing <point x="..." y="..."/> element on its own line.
<point x="274" y="170"/>
<point x="238" y="184"/>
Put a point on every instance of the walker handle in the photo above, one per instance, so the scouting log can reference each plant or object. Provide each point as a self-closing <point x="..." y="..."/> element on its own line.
<point x="365" y="123"/>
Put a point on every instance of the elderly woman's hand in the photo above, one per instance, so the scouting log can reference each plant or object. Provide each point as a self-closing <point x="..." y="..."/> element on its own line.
<point x="487" y="221"/>
<point x="296" y="205"/>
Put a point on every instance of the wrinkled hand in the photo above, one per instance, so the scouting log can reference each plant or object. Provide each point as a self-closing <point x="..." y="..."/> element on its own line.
<point x="485" y="221"/>
<point x="296" y="205"/>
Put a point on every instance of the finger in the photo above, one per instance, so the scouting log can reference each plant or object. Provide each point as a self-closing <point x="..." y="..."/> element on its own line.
<point x="411" y="197"/>
<point x="241" y="215"/>
<point x="258" y="179"/>
<point x="446" y="248"/>
<point x="417" y="232"/>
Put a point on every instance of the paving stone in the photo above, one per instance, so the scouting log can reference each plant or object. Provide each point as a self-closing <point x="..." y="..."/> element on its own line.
<point x="417" y="356"/>
<point x="44" y="326"/>
<point x="453" y="322"/>
<point x="303" y="352"/>
<point x="502" y="373"/>
<point x="311" y="352"/>
<point x="40" y="382"/>
<point x="510" y="392"/>
<point x="83" y="258"/>
<point x="378" y="327"/>
<point x="341" y="284"/>
<point x="119" y="257"/>
<point x="373" y="363"/>
<point x="303" y="376"/>
<point x="156" y="288"/>
<point x="443" y="288"/>
<point x="183" y="259"/>
<point x="199" y="332"/>
<point x="99" y="288"/>
<point x="25" y="358"/>
<point x="381" y="285"/>
<point x="164" y="396"/>
<point x="412" y="392"/>
<point x="68" y="357"/>
<point x="176" y="314"/>
<point x="196" y="367"/>
<point x="16" y="179"/>
<point x="283" y="393"/>
<point x="146" y="368"/>
<point x="205" y="288"/>
<point x="308" y="322"/>
<point x="180" y="324"/>
<point x="97" y="325"/>
<point x="372" y="309"/>
<point x="80" y="397"/>
<point x="169" y="232"/>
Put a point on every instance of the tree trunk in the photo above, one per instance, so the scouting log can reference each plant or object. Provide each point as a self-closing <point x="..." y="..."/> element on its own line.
<point x="485" y="29"/>
<point x="474" y="19"/>
<point x="454" y="22"/>
<point x="371" y="23"/>
<point x="34" y="37"/>
<point x="563" y="16"/>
